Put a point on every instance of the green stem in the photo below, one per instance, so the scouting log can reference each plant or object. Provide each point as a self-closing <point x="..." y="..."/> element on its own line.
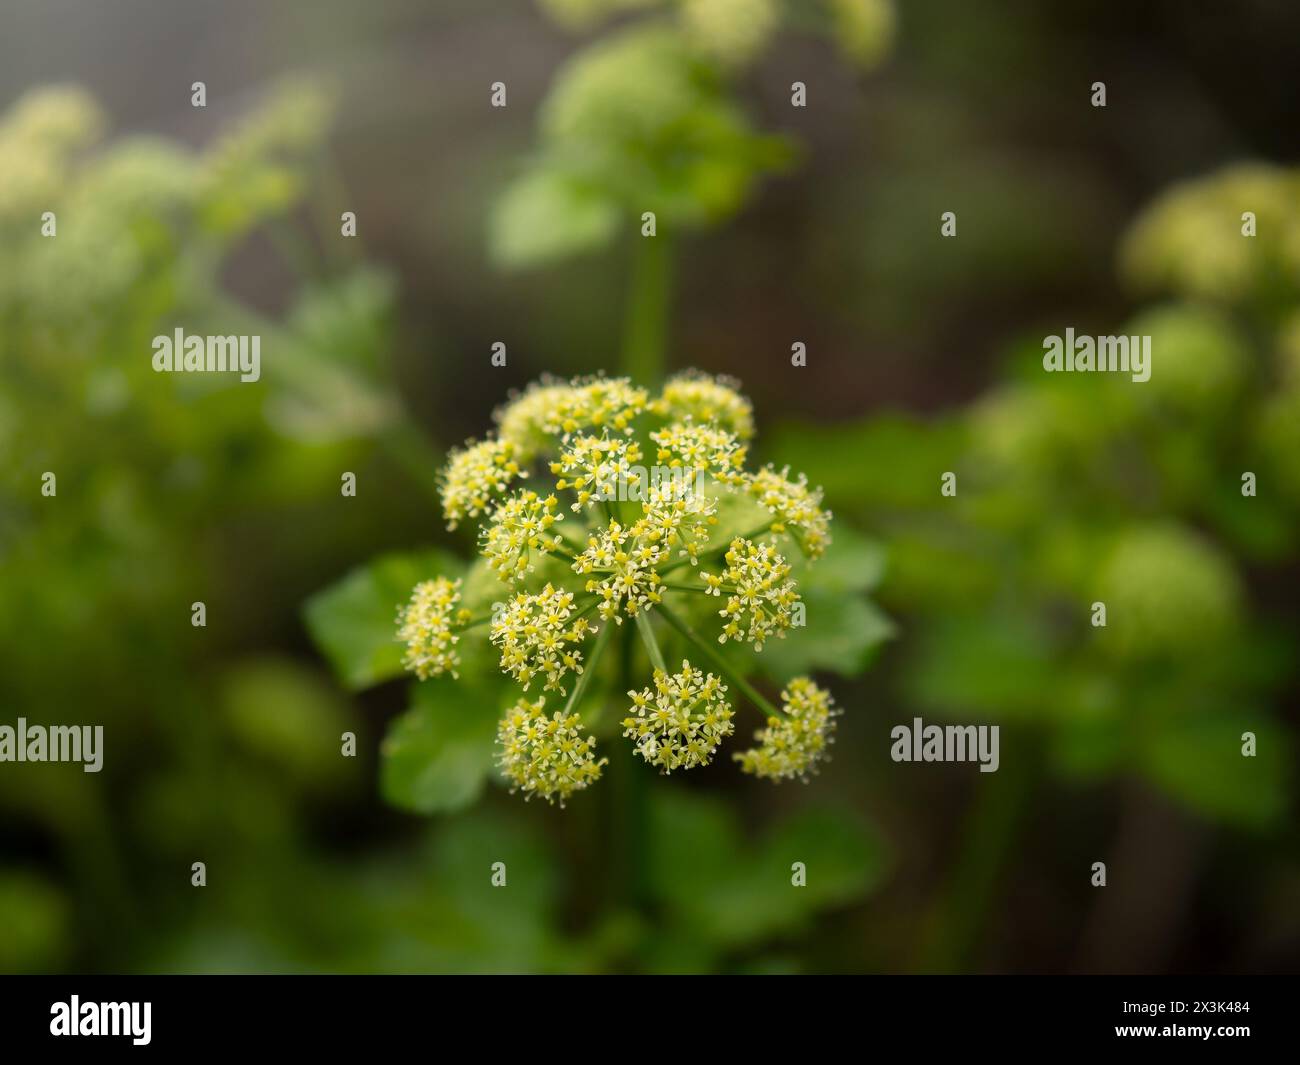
<point x="646" y="328"/>
<point x="651" y="644"/>
<point x="961" y="912"/>
<point x="719" y="549"/>
<point x="584" y="678"/>
<point x="729" y="589"/>
<point x="682" y="587"/>
<point x="718" y="660"/>
<point x="579" y="547"/>
<point x="628" y="814"/>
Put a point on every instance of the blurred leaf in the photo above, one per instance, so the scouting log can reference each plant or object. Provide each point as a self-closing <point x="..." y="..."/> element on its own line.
<point x="998" y="665"/>
<point x="353" y="621"/>
<point x="843" y="629"/>
<point x="1199" y="761"/>
<point x="1088" y="747"/>
<point x="843" y="859"/>
<point x="348" y="319"/>
<point x="288" y="714"/>
<point x="438" y="909"/>
<point x="438" y="754"/>
<point x="693" y="841"/>
<point x="852" y="563"/>
<point x="734" y="895"/>
<point x="34" y="916"/>
<point x="890" y="460"/>
<point x="842" y="635"/>
<point x="545" y="216"/>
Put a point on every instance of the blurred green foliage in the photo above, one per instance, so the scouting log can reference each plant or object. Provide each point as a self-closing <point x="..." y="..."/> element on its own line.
<point x="1075" y="489"/>
<point x="209" y="754"/>
<point x="637" y="123"/>
<point x="649" y="118"/>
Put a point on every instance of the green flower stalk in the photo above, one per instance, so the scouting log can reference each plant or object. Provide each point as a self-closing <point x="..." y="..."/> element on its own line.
<point x="586" y="538"/>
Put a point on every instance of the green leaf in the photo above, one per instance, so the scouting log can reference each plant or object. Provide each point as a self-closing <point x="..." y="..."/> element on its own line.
<point x="891" y="460"/>
<point x="289" y="715"/>
<point x="437" y="755"/>
<point x="843" y="629"/>
<point x="1199" y="761"/>
<point x="852" y="563"/>
<point x="842" y="635"/>
<point x="735" y="895"/>
<point x="999" y="665"/>
<point x="544" y="216"/>
<point x="36" y="919"/>
<point x="842" y="858"/>
<point x="353" y="622"/>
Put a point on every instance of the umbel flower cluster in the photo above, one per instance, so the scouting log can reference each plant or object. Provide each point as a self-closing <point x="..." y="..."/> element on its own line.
<point x="601" y="510"/>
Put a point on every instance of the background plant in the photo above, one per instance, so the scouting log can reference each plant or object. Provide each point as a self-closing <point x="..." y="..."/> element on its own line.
<point x="1095" y="489"/>
<point x="168" y="492"/>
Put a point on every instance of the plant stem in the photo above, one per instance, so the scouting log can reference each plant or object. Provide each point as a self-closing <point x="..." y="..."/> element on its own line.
<point x="730" y="589"/>
<point x="646" y="325"/>
<point x="651" y="644"/>
<point x="584" y="678"/>
<point x="961" y="913"/>
<point x="627" y="828"/>
<point x="570" y="541"/>
<point x="723" y="666"/>
<point x="716" y="550"/>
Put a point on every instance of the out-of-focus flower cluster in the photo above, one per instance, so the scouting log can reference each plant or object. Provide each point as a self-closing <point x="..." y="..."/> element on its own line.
<point x="1191" y="239"/>
<point x="647" y="118"/>
<point x="737" y="32"/>
<point x="93" y="224"/>
<point x="587" y="536"/>
<point x="1111" y="563"/>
